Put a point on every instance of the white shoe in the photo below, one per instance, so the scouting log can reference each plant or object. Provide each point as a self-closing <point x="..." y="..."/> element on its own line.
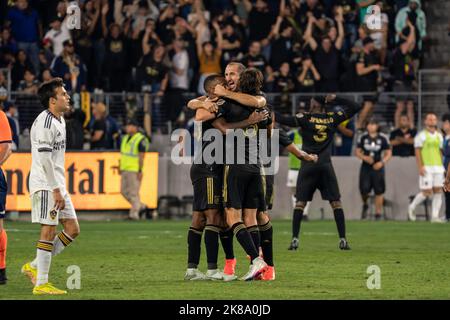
<point x="194" y="275"/>
<point x="256" y="268"/>
<point x="229" y="277"/>
<point x="411" y="214"/>
<point x="438" y="220"/>
<point x="214" y="275"/>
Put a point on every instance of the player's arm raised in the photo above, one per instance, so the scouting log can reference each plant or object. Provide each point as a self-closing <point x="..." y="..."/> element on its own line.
<point x="287" y="120"/>
<point x="350" y="107"/>
<point x="242" y="98"/>
<point x="202" y="103"/>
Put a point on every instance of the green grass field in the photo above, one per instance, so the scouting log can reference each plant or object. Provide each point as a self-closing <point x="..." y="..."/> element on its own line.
<point x="146" y="260"/>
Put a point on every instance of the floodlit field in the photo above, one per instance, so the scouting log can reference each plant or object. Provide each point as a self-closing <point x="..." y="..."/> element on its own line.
<point x="147" y="260"/>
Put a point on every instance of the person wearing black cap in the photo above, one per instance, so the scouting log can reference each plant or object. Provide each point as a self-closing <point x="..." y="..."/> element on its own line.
<point x="318" y="127"/>
<point x="375" y="151"/>
<point x="132" y="152"/>
<point x="367" y="68"/>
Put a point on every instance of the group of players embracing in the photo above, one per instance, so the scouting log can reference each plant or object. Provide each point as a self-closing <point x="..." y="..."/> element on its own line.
<point x="232" y="196"/>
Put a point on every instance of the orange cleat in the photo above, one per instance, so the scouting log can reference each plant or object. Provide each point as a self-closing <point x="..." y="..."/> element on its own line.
<point x="268" y="274"/>
<point x="230" y="264"/>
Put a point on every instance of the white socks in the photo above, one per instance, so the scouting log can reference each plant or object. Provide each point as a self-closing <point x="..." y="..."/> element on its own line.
<point x="61" y="241"/>
<point x="436" y="204"/>
<point x="44" y="259"/>
<point x="418" y="199"/>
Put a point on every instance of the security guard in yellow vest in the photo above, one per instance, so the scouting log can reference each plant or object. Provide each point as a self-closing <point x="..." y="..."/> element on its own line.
<point x="132" y="150"/>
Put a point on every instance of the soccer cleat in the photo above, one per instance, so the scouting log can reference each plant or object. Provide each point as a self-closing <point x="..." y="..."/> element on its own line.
<point x="411" y="214"/>
<point x="343" y="244"/>
<point x="214" y="275"/>
<point x="268" y="274"/>
<point x="3" y="278"/>
<point x="47" y="288"/>
<point x="230" y="265"/>
<point x="294" y="244"/>
<point x="438" y="220"/>
<point x="194" y="275"/>
<point x="256" y="268"/>
<point x="30" y="272"/>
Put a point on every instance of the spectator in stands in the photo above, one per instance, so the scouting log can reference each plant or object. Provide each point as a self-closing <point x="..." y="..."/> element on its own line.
<point x="374" y="151"/>
<point x="57" y="35"/>
<point x="363" y="6"/>
<point x="115" y="68"/>
<point x="351" y="22"/>
<point x="367" y="69"/>
<point x="281" y="42"/>
<point x="404" y="76"/>
<point x="70" y="67"/>
<point x="98" y="130"/>
<point x="260" y="20"/>
<point x="74" y="129"/>
<point x="18" y="70"/>
<point x="29" y="84"/>
<point x="284" y="83"/>
<point x="166" y="21"/>
<point x="46" y="75"/>
<point x="3" y="85"/>
<point x="254" y="59"/>
<point x="179" y="80"/>
<point x="26" y="29"/>
<point x="402" y="138"/>
<point x="326" y="56"/>
<point x="308" y="9"/>
<point x="7" y="42"/>
<point x="45" y="56"/>
<point x="308" y="75"/>
<point x="231" y="45"/>
<point x="446" y="153"/>
<point x="209" y="57"/>
<point x="416" y="16"/>
<point x="11" y="113"/>
<point x="380" y="36"/>
<point x="358" y="46"/>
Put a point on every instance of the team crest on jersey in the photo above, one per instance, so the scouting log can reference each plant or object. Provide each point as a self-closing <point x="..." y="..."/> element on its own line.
<point x="53" y="214"/>
<point x="220" y="102"/>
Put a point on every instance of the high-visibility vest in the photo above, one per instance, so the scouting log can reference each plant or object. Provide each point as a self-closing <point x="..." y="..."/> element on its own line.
<point x="431" y="150"/>
<point x="294" y="162"/>
<point x="129" y="150"/>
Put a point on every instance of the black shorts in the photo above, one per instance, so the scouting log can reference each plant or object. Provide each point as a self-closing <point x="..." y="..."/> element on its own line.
<point x="371" y="179"/>
<point x="242" y="189"/>
<point x="317" y="176"/>
<point x="207" y="193"/>
<point x="3" y="193"/>
<point x="268" y="182"/>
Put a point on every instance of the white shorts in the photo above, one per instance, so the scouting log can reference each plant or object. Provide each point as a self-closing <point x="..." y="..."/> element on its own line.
<point x="42" y="208"/>
<point x="292" y="178"/>
<point x="431" y="180"/>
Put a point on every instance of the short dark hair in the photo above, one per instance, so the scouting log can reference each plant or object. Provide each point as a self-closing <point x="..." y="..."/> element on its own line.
<point x="47" y="90"/>
<point x="446" y="117"/>
<point x="251" y="81"/>
<point x="212" y="80"/>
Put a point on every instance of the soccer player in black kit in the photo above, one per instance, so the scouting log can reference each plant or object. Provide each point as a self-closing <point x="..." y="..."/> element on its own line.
<point x="318" y="127"/>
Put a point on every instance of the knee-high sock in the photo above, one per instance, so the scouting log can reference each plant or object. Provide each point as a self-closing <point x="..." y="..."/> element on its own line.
<point x="296" y="222"/>
<point x="266" y="231"/>
<point x="3" y="247"/>
<point x="340" y="221"/>
<point x="44" y="259"/>
<point x="245" y="240"/>
<point x="254" y="233"/>
<point x="418" y="199"/>
<point x="61" y="241"/>
<point x="194" y="247"/>
<point x="226" y="239"/>
<point x="212" y="245"/>
<point x="436" y="204"/>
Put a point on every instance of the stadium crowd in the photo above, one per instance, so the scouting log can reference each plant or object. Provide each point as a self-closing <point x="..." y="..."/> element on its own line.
<point x="168" y="47"/>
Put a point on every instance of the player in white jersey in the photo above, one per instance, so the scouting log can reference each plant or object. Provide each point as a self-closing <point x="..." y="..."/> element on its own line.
<point x="50" y="200"/>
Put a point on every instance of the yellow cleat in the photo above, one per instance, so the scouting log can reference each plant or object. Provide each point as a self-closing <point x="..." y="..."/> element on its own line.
<point x="30" y="272"/>
<point x="47" y="288"/>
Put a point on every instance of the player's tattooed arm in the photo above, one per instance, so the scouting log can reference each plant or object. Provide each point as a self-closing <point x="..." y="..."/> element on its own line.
<point x="222" y="125"/>
<point x="242" y="98"/>
<point x="300" y="154"/>
<point x="202" y="103"/>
